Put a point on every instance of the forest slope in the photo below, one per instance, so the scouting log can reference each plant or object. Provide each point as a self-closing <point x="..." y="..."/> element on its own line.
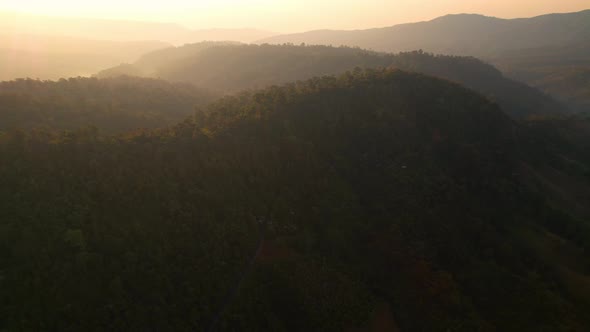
<point x="367" y="188"/>
<point x="111" y="105"/>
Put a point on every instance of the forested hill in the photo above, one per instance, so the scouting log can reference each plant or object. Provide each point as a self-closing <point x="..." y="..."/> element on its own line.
<point x="380" y="195"/>
<point x="541" y="51"/>
<point x="112" y="105"/>
<point x="235" y="67"/>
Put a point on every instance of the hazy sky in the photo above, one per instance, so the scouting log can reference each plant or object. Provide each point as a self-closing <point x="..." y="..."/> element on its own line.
<point x="288" y="15"/>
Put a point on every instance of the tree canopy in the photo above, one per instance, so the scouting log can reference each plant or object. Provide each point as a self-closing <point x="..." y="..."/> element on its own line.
<point x="112" y="105"/>
<point x="374" y="186"/>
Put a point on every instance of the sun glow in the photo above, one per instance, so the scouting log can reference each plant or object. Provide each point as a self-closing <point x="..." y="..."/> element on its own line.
<point x="286" y="15"/>
<point x="112" y="8"/>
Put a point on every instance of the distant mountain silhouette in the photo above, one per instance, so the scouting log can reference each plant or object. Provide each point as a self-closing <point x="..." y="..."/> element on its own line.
<point x="463" y="34"/>
<point x="232" y="67"/>
<point x="53" y="48"/>
<point x="122" y="30"/>
<point x="532" y="50"/>
<point x="54" y="57"/>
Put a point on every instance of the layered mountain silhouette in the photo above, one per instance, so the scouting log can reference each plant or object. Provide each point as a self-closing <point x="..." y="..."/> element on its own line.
<point x="221" y="186"/>
<point x="232" y="67"/>
<point x="54" y="57"/>
<point x="532" y="50"/>
<point x="462" y="34"/>
<point x="122" y="30"/>
<point x="53" y="48"/>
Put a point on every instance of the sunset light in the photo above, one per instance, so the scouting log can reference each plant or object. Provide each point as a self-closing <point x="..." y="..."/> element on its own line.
<point x="286" y="15"/>
<point x="295" y="165"/>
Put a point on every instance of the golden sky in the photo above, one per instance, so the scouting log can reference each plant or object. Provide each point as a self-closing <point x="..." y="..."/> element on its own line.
<point x="288" y="15"/>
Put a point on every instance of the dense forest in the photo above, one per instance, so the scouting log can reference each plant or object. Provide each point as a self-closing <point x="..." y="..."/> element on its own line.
<point x="232" y="67"/>
<point x="337" y="203"/>
<point x="113" y="105"/>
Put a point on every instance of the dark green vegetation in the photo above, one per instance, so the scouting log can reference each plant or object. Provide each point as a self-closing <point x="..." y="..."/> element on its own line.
<point x="231" y="67"/>
<point x="540" y="51"/>
<point x="372" y="187"/>
<point x="111" y="105"/>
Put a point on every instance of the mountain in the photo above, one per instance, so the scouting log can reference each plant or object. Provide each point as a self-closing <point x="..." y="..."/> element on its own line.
<point x="113" y="105"/>
<point x="232" y="67"/>
<point x="52" y="48"/>
<point x="463" y="34"/>
<point x="332" y="204"/>
<point x="522" y="48"/>
<point x="51" y="57"/>
<point x="121" y="30"/>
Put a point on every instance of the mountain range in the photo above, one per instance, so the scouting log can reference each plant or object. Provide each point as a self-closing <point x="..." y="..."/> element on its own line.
<point x="122" y="30"/>
<point x="462" y="34"/>
<point x="533" y="50"/>
<point x="54" y="48"/>
<point x="228" y="67"/>
<point x="541" y="51"/>
<point x="223" y="186"/>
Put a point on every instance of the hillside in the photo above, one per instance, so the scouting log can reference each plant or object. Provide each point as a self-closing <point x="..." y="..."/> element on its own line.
<point x="531" y="50"/>
<point x="234" y="67"/>
<point x="318" y="205"/>
<point x="572" y="85"/>
<point x="110" y="105"/>
<point x="557" y="70"/>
